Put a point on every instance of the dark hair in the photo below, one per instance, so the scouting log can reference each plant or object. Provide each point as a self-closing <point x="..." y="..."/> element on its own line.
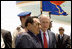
<point x="61" y="29"/>
<point x="29" y="20"/>
<point x="34" y="16"/>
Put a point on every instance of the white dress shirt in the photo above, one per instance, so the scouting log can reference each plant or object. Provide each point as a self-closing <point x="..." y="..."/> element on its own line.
<point x="47" y="36"/>
<point x="61" y="36"/>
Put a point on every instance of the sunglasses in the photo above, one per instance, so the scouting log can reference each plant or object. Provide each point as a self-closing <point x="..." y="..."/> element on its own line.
<point x="61" y="29"/>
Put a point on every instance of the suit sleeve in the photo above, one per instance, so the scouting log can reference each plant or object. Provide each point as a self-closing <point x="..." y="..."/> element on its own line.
<point x="54" y="41"/>
<point x="24" y="42"/>
<point x="68" y="42"/>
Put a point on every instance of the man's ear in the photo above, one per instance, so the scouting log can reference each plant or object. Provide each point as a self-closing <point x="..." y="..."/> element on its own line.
<point x="29" y="24"/>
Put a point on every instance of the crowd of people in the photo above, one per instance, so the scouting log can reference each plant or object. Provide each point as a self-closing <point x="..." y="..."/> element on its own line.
<point x="35" y="32"/>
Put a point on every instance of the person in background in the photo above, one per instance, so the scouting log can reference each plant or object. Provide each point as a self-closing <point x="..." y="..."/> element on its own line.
<point x="2" y="42"/>
<point x="63" y="40"/>
<point x="7" y="38"/>
<point x="29" y="39"/>
<point x="20" y="29"/>
<point x="50" y="26"/>
<point x="46" y="37"/>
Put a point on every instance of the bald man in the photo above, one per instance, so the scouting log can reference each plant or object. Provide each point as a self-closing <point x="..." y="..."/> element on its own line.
<point x="63" y="40"/>
<point x="46" y="37"/>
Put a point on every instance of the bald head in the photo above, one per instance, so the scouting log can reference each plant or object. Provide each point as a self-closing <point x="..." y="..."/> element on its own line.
<point x="45" y="21"/>
<point x="61" y="30"/>
<point x="44" y="17"/>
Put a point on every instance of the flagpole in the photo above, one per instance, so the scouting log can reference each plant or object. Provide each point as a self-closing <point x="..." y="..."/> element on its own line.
<point x="50" y="15"/>
<point x="41" y="9"/>
<point x="41" y="6"/>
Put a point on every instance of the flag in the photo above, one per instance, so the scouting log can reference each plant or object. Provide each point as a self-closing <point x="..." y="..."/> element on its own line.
<point x="53" y="7"/>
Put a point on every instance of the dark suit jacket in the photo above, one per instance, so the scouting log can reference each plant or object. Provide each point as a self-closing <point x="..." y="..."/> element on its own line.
<point x="7" y="38"/>
<point x="52" y="39"/>
<point x="28" y="40"/>
<point x="64" y="42"/>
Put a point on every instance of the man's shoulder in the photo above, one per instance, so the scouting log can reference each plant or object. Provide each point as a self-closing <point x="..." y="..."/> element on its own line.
<point x="21" y="36"/>
<point x="66" y="35"/>
<point x="26" y="37"/>
<point x="5" y="32"/>
<point x="51" y="32"/>
<point x="19" y="29"/>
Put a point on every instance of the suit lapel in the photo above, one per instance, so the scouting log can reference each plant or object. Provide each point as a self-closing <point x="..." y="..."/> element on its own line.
<point x="50" y="38"/>
<point x="57" y="37"/>
<point x="39" y="36"/>
<point x="64" y="38"/>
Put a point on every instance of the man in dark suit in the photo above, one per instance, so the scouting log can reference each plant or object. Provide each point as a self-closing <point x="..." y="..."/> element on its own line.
<point x="63" y="40"/>
<point x="7" y="38"/>
<point x="29" y="39"/>
<point x="46" y="37"/>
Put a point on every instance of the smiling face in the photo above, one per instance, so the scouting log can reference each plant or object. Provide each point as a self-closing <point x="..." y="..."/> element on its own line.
<point x="45" y="21"/>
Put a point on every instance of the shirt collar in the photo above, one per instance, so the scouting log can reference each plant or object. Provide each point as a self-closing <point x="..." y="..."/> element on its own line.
<point x="45" y="32"/>
<point x="31" y="33"/>
<point x="61" y="35"/>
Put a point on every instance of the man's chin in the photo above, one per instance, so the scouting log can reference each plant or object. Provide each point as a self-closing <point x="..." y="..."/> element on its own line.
<point x="45" y="28"/>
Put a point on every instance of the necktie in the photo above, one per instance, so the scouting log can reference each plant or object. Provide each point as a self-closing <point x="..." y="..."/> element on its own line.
<point x="45" y="41"/>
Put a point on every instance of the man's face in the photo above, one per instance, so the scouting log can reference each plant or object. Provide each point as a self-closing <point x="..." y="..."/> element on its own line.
<point x="36" y="25"/>
<point x="61" y="31"/>
<point x="45" y="23"/>
<point x="23" y="20"/>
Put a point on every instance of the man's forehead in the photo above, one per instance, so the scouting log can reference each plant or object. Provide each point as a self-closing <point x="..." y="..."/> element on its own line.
<point x="42" y="17"/>
<point x="45" y="19"/>
<point x="36" y="20"/>
<point x="61" y="28"/>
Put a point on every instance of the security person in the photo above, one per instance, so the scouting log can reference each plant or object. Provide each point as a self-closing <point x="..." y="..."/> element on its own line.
<point x="23" y="16"/>
<point x="7" y="38"/>
<point x="50" y="26"/>
<point x="63" y="40"/>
